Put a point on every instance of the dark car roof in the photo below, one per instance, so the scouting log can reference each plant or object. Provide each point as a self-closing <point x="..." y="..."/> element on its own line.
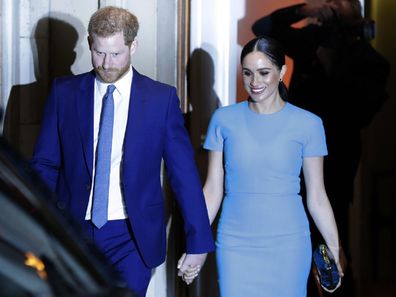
<point x="42" y="252"/>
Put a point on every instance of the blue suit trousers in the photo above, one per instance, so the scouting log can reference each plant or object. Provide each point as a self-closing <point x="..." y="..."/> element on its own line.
<point x="116" y="241"/>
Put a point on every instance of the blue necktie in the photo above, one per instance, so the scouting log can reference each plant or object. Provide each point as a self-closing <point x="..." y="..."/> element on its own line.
<point x="103" y="160"/>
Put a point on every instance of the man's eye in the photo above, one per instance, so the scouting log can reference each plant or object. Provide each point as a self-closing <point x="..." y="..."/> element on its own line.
<point x="114" y="54"/>
<point x="99" y="53"/>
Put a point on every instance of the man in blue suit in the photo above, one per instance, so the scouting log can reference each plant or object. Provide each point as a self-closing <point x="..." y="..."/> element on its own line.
<point x="105" y="165"/>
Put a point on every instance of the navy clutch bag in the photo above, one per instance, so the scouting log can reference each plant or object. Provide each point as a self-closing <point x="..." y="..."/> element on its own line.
<point x="326" y="267"/>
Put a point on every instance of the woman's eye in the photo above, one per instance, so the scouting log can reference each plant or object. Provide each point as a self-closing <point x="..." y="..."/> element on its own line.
<point x="264" y="73"/>
<point x="246" y="73"/>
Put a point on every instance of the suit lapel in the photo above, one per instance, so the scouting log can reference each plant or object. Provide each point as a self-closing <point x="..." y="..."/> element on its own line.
<point x="136" y="114"/>
<point x="85" y="109"/>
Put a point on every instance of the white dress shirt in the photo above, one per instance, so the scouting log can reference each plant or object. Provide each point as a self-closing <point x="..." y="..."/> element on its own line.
<point x="121" y="95"/>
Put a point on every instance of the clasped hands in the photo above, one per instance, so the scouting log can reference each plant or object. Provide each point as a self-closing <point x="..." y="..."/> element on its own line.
<point x="189" y="266"/>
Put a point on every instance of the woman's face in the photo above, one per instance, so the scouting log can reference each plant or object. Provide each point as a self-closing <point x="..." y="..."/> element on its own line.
<point x="260" y="76"/>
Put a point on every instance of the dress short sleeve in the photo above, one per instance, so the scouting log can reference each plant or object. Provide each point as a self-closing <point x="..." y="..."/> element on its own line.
<point x="214" y="138"/>
<point x="315" y="141"/>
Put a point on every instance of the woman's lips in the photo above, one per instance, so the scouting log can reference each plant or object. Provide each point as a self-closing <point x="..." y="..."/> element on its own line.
<point x="257" y="90"/>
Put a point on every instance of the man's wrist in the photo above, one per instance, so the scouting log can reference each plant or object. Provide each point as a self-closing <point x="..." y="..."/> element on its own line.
<point x="299" y="10"/>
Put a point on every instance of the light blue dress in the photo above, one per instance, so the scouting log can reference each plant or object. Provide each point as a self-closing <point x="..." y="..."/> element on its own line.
<point x="263" y="245"/>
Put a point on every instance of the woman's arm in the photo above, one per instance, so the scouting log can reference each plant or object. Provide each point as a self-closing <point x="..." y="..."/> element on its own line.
<point x="319" y="205"/>
<point x="214" y="184"/>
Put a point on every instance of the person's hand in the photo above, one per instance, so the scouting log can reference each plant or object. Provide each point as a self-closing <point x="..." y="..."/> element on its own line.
<point x="189" y="266"/>
<point x="319" y="285"/>
<point x="342" y="263"/>
<point x="322" y="12"/>
<point x="341" y="267"/>
<point x="331" y="291"/>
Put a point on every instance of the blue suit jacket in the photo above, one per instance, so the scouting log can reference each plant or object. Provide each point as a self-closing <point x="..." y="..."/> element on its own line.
<point x="155" y="130"/>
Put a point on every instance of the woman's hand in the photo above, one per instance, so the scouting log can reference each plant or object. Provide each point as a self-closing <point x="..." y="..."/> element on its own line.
<point x="189" y="266"/>
<point x="331" y="291"/>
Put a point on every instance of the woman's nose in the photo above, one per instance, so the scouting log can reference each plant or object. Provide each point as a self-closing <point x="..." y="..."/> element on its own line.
<point x="254" y="81"/>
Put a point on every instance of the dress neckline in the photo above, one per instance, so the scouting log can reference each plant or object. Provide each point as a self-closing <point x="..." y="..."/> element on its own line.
<point x="266" y="115"/>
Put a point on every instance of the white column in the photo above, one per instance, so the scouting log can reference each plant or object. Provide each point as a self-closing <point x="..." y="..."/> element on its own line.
<point x="19" y="18"/>
<point x="214" y="30"/>
<point x="7" y="51"/>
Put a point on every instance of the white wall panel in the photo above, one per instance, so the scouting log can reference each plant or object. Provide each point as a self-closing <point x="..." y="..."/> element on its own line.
<point x="145" y="58"/>
<point x="213" y="29"/>
<point x="77" y="14"/>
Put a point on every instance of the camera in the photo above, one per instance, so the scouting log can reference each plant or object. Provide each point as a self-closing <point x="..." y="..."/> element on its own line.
<point x="334" y="34"/>
<point x="367" y="30"/>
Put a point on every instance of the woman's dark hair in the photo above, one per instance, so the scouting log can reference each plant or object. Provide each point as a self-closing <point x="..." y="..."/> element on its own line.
<point x="273" y="50"/>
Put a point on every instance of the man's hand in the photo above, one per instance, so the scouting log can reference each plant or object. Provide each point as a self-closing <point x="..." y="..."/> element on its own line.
<point x="189" y="266"/>
<point x="322" y="12"/>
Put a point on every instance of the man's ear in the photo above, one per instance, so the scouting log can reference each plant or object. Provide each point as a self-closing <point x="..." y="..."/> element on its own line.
<point x="89" y="39"/>
<point x="133" y="47"/>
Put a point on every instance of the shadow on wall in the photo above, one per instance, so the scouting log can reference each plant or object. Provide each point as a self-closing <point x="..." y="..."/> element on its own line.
<point x="53" y="43"/>
<point x="203" y="101"/>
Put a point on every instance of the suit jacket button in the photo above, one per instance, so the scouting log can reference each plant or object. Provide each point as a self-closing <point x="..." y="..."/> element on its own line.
<point x="88" y="187"/>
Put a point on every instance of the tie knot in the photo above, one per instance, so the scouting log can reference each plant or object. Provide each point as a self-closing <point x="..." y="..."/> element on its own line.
<point x="110" y="89"/>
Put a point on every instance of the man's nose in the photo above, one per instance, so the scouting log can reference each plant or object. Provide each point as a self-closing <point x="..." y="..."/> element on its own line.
<point x="106" y="61"/>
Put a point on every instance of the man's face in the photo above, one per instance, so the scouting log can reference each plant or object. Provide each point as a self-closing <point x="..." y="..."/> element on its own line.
<point x="111" y="58"/>
<point x="343" y="9"/>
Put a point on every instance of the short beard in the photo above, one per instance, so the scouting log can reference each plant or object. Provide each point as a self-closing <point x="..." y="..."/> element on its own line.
<point x="111" y="75"/>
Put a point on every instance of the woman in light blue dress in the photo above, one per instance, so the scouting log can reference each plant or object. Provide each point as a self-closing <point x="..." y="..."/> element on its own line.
<point x="257" y="150"/>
